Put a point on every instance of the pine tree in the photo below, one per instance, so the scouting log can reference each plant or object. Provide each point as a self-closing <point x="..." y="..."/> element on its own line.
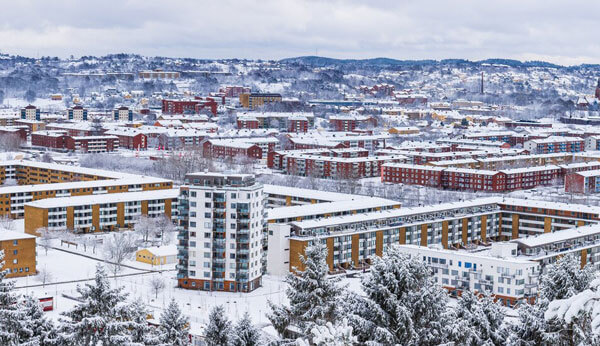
<point x="141" y="332"/>
<point x="530" y="328"/>
<point x="41" y="330"/>
<point x="244" y="333"/>
<point x="312" y="295"/>
<point x="174" y="326"/>
<point x="575" y="320"/>
<point x="218" y="329"/>
<point x="561" y="281"/>
<point x="402" y="304"/>
<point x="564" y="279"/>
<point x="339" y="334"/>
<point x="102" y="316"/>
<point x="11" y="331"/>
<point x="481" y="318"/>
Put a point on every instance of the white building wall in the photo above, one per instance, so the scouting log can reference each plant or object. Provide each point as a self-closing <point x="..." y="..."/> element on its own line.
<point x="278" y="256"/>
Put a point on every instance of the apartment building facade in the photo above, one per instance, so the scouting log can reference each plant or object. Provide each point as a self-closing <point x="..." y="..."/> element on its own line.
<point x="100" y="212"/>
<point x="19" y="253"/>
<point x="77" y="113"/>
<point x="221" y="247"/>
<point x="498" y="271"/>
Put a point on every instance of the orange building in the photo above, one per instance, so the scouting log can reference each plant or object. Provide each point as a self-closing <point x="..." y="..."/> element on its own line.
<point x="95" y="213"/>
<point x="19" y="253"/>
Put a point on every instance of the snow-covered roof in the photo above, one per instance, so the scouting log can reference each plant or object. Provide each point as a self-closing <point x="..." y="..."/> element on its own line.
<point x="558" y="236"/>
<point x="390" y="213"/>
<point x="12" y="235"/>
<point x="165" y="250"/>
<point x="556" y="139"/>
<point x="104" y="198"/>
<point x="307" y="193"/>
<point x="533" y="203"/>
<point x="79" y="184"/>
<point x="417" y="167"/>
<point x="360" y="202"/>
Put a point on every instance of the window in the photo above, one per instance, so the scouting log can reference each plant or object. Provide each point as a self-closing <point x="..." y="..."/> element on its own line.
<point x="15" y="252"/>
<point x="192" y="224"/>
<point x="193" y="193"/>
<point x="15" y="242"/>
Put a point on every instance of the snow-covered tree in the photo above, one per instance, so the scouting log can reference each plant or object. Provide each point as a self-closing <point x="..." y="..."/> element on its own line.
<point x="313" y="296"/>
<point x="334" y="335"/>
<point x="218" y="329"/>
<point x="40" y="329"/>
<point x="117" y="248"/>
<point x="402" y="304"/>
<point x="174" y="326"/>
<point x="577" y="318"/>
<point x="11" y="332"/>
<point x="244" y="333"/>
<point x="481" y="320"/>
<point x="560" y="281"/>
<point x="564" y="278"/>
<point x="157" y="284"/>
<point x="144" y="228"/>
<point x="102" y="316"/>
<point x="530" y="328"/>
<point x="141" y="332"/>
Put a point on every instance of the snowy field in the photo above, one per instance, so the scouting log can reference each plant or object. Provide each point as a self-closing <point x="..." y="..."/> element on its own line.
<point x="66" y="266"/>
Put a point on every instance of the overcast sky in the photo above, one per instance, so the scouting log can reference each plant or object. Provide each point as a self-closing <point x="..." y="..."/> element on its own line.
<point x="564" y="32"/>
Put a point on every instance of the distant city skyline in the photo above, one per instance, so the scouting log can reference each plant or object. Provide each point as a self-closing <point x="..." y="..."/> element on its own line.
<point x="554" y="31"/>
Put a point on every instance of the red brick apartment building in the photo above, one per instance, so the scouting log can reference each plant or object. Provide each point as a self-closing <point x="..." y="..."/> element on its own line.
<point x="247" y="122"/>
<point x="60" y="140"/>
<point x="583" y="182"/>
<point x="130" y="138"/>
<point x="464" y="179"/>
<point x="231" y="148"/>
<point x="189" y="106"/>
<point x="349" y="123"/>
<point x="18" y="131"/>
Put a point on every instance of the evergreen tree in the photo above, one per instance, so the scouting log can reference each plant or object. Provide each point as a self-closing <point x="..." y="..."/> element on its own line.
<point x="339" y="334"/>
<point x="174" y="326"/>
<point x="218" y="329"/>
<point x="564" y="279"/>
<point x="11" y="330"/>
<point x="575" y="320"/>
<point x="244" y="333"/>
<point x="530" y="328"/>
<point x="141" y="332"/>
<point x="402" y="305"/>
<point x="102" y="316"/>
<point x="312" y="295"/>
<point x="481" y="318"/>
<point x="41" y="329"/>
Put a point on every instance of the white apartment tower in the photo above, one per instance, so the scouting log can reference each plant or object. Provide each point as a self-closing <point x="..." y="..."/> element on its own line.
<point x="221" y="249"/>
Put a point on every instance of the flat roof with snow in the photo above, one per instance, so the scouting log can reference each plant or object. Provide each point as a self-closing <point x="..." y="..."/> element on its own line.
<point x="104" y="198"/>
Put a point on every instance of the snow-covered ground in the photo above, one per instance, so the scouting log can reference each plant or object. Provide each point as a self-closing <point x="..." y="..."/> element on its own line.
<point x="67" y="266"/>
<point x="44" y="103"/>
